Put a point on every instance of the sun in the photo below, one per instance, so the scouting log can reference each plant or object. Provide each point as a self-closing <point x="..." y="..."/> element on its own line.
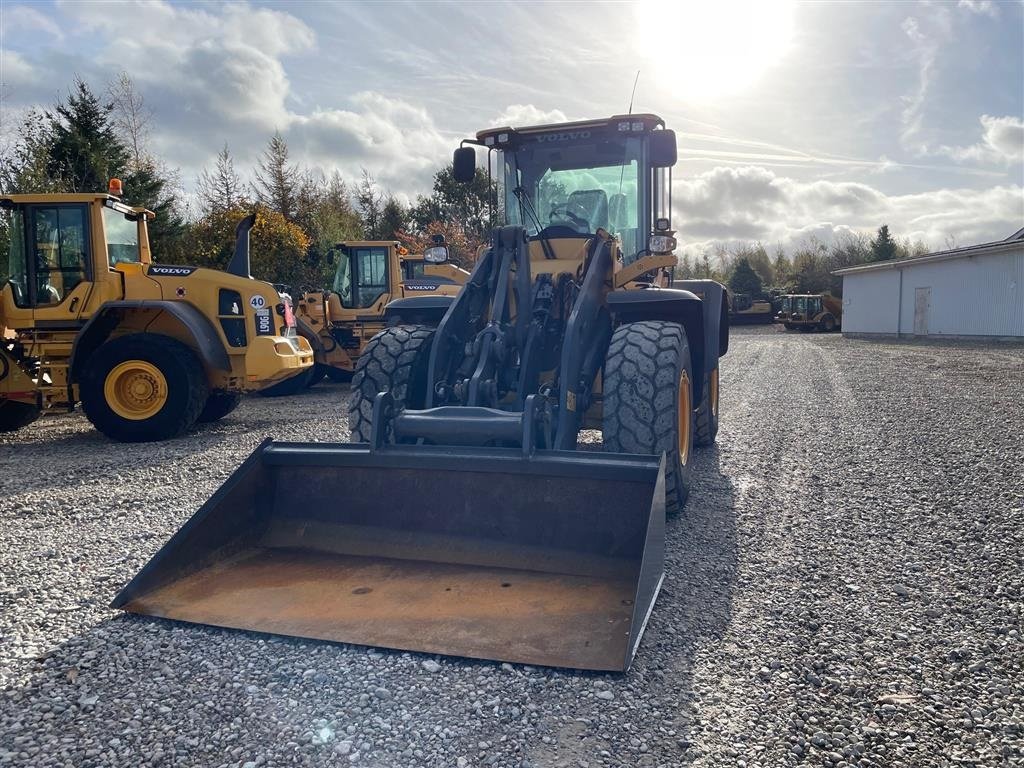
<point x="698" y="51"/>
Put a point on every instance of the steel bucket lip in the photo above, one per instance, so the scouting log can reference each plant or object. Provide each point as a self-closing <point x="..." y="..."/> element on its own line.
<point x="608" y="467"/>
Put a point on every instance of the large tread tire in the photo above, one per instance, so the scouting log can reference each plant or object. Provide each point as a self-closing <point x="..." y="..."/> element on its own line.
<point x="395" y="361"/>
<point x="293" y="385"/>
<point x="705" y="419"/>
<point x="15" y="415"/>
<point x="187" y="390"/>
<point x="218" y="405"/>
<point x="642" y="375"/>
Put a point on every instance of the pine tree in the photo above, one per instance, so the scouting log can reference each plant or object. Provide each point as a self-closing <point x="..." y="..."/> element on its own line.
<point x="84" y="149"/>
<point x="369" y="202"/>
<point x="745" y="280"/>
<point x="277" y="180"/>
<point x="222" y="189"/>
<point x="393" y="219"/>
<point x="883" y="247"/>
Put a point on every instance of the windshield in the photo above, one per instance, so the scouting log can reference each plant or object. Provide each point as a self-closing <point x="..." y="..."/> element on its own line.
<point x="574" y="187"/>
<point x="122" y="237"/>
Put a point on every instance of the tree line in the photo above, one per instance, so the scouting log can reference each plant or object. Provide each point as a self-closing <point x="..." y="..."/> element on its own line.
<point x="749" y="268"/>
<point x="87" y="138"/>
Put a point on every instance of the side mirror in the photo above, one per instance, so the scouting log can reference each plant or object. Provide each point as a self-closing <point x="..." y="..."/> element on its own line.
<point x="437" y="254"/>
<point x="662" y="147"/>
<point x="329" y="258"/>
<point x="464" y="164"/>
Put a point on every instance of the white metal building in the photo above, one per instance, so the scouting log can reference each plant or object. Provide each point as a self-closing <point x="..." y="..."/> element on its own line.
<point x="975" y="291"/>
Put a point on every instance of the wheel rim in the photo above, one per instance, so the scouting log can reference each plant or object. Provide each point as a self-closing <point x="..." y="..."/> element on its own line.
<point x="713" y="393"/>
<point x="135" y="390"/>
<point x="685" y="413"/>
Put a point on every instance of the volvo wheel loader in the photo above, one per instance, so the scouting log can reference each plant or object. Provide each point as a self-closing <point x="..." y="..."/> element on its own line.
<point x="377" y="283"/>
<point x="147" y="349"/>
<point x="466" y="520"/>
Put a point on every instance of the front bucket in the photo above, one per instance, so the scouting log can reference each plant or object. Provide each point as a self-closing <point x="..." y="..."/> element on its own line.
<point x="553" y="560"/>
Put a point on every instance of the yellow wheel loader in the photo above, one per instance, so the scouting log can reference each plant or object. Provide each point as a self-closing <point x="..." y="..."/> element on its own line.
<point x="147" y="349"/>
<point x="377" y="283"/>
<point x="465" y="520"/>
<point x="743" y="310"/>
<point x="810" y="312"/>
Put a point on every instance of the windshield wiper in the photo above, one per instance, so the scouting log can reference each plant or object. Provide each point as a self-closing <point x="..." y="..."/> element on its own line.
<point x="525" y="204"/>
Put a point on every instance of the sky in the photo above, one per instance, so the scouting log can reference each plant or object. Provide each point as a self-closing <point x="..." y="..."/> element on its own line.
<point x="794" y="120"/>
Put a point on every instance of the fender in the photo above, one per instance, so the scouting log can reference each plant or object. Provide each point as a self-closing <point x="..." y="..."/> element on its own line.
<point x="431" y="307"/>
<point x="102" y="324"/>
<point x="699" y="306"/>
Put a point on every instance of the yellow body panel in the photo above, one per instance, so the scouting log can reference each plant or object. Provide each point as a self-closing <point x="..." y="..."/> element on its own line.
<point x="342" y="331"/>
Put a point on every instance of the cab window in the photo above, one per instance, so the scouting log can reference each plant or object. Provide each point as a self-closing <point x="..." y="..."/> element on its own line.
<point x="122" y="235"/>
<point x="58" y="243"/>
<point x="413" y="269"/>
<point x="371" y="274"/>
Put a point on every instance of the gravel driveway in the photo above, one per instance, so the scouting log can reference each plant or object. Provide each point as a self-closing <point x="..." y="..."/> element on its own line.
<point x="845" y="588"/>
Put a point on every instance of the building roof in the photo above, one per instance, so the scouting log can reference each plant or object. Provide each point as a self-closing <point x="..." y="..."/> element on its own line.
<point x="1012" y="243"/>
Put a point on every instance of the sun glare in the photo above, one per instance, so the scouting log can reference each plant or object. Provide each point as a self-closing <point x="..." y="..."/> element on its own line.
<point x="702" y="50"/>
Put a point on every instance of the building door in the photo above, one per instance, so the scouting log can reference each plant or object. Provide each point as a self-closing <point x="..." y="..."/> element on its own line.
<point x="922" y="308"/>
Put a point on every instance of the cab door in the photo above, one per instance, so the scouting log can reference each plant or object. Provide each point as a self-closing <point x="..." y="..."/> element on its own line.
<point x="58" y="246"/>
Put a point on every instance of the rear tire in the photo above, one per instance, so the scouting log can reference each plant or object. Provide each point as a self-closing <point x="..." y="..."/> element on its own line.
<point x="15" y="415"/>
<point x="705" y="426"/>
<point x="183" y="390"/>
<point x="290" y="386"/>
<point x="395" y="361"/>
<point x="828" y="323"/>
<point x="338" y="375"/>
<point x="218" y="405"/>
<point x="648" y="400"/>
<point x="319" y="371"/>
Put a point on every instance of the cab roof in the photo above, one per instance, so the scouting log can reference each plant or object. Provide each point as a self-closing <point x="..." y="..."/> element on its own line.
<point x="74" y="197"/>
<point x="637" y="123"/>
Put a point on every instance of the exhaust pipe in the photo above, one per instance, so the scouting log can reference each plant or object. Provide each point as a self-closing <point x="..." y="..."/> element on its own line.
<point x="239" y="264"/>
<point x="554" y="559"/>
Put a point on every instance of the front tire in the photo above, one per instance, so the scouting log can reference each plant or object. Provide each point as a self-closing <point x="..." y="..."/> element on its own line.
<point x="648" y="400"/>
<point x="218" y="405"/>
<point x="395" y="361"/>
<point x="143" y="387"/>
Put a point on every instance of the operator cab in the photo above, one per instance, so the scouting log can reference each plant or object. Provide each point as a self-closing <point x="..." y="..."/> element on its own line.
<point x="573" y="179"/>
<point x="52" y="242"/>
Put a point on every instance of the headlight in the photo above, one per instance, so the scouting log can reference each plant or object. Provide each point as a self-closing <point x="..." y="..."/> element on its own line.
<point x="437" y="254"/>
<point x="661" y="244"/>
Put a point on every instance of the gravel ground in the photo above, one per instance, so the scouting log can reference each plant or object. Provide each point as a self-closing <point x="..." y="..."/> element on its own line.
<point x="844" y="588"/>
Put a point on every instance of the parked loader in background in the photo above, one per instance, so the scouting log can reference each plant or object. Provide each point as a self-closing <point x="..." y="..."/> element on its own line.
<point x="376" y="283"/>
<point x="810" y="312"/>
<point x="467" y="522"/>
<point x="743" y="310"/>
<point x="147" y="349"/>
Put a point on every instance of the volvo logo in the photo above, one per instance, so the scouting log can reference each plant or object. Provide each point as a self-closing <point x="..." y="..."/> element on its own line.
<point x="564" y="136"/>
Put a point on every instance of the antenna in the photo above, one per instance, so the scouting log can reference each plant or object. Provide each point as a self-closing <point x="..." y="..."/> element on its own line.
<point x="633" y="92"/>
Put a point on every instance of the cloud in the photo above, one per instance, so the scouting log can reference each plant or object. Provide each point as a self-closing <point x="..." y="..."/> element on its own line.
<point x="519" y="115"/>
<point x="1002" y="141"/>
<point x="24" y="18"/>
<point x="726" y="205"/>
<point x="980" y="7"/>
<point x="398" y="141"/>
